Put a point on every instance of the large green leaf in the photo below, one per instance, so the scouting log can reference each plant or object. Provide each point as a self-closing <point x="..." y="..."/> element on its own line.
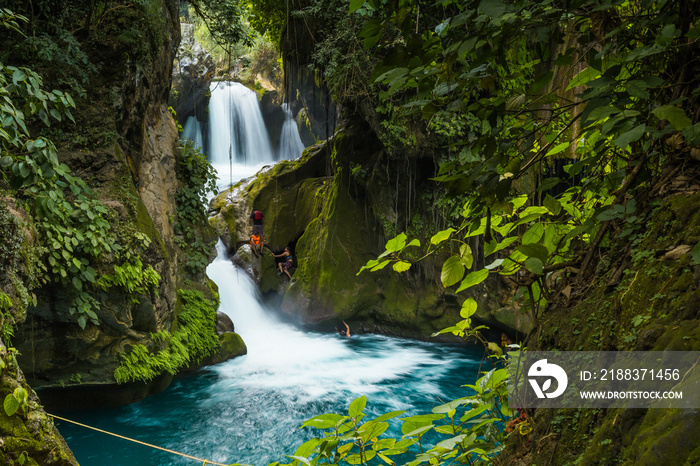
<point x="552" y="204"/>
<point x="356" y="5"/>
<point x="495" y="246"/>
<point x="401" y="266"/>
<point x="441" y="236"/>
<point x="534" y="250"/>
<point x="357" y="406"/>
<point x="675" y="115"/>
<point x="534" y="265"/>
<point x="534" y="233"/>
<point x="625" y="139"/>
<point x="472" y="279"/>
<point x="396" y="244"/>
<point x="558" y="148"/>
<point x="583" y="77"/>
<point x="11" y="404"/>
<point x="465" y="252"/>
<point x="390" y="415"/>
<point x="422" y="421"/>
<point x="324" y="421"/>
<point x="493" y="8"/>
<point x="468" y="308"/>
<point x="452" y="271"/>
<point x="371" y="32"/>
<point x="372" y="429"/>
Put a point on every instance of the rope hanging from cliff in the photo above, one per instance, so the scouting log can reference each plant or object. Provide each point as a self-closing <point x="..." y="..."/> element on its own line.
<point x="201" y="460"/>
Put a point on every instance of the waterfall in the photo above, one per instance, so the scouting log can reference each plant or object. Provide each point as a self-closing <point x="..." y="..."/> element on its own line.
<point x="239" y="140"/>
<point x="249" y="409"/>
<point x="309" y="366"/>
<point x="237" y="128"/>
<point x="193" y="132"/>
<point x="291" y="146"/>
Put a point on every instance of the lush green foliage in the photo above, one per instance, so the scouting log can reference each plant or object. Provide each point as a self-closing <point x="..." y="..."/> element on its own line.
<point x="548" y="122"/>
<point x="496" y="81"/>
<point x="224" y="19"/>
<point x="132" y="278"/>
<point x="74" y="229"/>
<point x="71" y="223"/>
<point x="193" y="339"/>
<point x="6" y="324"/>
<point x="467" y="430"/>
<point x="199" y="181"/>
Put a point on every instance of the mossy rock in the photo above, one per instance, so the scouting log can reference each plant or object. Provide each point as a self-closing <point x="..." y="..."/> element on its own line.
<point x="654" y="307"/>
<point x="514" y="320"/>
<point x="333" y="247"/>
<point x="269" y="273"/>
<point x="289" y="195"/>
<point x="232" y="346"/>
<point x="29" y="431"/>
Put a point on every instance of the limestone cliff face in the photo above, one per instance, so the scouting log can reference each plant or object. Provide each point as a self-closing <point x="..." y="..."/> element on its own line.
<point x="125" y="146"/>
<point x="336" y="208"/>
<point x="193" y="73"/>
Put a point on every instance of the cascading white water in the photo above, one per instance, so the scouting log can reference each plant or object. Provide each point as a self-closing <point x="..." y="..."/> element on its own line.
<point x="296" y="362"/>
<point x="291" y="146"/>
<point x="193" y="132"/>
<point x="238" y="136"/>
<point x="249" y="409"/>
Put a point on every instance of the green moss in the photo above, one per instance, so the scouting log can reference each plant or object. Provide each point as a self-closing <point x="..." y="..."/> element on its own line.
<point x="7" y="330"/>
<point x="269" y="278"/>
<point x="232" y="345"/>
<point x="653" y="308"/>
<point x="144" y="223"/>
<point x="667" y="434"/>
<point x="330" y="252"/>
<point x="133" y="278"/>
<point x="193" y="339"/>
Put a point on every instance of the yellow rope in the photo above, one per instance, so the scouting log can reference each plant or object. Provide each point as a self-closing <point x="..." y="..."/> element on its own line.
<point x="203" y="461"/>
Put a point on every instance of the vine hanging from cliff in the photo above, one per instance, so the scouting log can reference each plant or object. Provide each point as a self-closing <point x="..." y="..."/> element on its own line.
<point x="199" y="182"/>
<point x="74" y="228"/>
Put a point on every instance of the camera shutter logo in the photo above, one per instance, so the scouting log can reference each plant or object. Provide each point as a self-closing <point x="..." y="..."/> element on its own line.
<point x="543" y="369"/>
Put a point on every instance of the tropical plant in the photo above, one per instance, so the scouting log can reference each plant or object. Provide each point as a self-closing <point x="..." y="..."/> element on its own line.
<point x="523" y="90"/>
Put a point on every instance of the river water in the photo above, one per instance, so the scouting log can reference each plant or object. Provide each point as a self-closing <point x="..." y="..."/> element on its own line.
<point x="249" y="410"/>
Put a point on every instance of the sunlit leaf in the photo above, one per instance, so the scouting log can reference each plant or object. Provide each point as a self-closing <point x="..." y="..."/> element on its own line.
<point x="468" y="308"/>
<point x="452" y="271"/>
<point x="401" y="266"/>
<point x="11" y="404"/>
<point x="397" y="243"/>
<point x="558" y="148"/>
<point x="357" y="406"/>
<point x="472" y="279"/>
<point x="441" y="236"/>
<point x="583" y="77"/>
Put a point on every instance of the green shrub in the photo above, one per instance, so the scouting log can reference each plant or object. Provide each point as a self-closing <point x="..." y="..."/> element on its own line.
<point x="194" y="339"/>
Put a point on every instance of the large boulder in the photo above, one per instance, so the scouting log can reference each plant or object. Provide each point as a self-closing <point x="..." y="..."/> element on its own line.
<point x="336" y="208"/>
<point x="232" y="346"/>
